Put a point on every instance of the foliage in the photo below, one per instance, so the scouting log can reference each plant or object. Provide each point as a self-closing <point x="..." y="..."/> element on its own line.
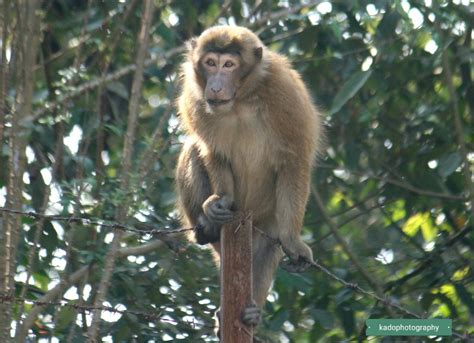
<point x="391" y="78"/>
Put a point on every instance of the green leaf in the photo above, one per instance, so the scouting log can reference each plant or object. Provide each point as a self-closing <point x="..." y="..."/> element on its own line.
<point x="323" y="317"/>
<point x="349" y="89"/>
<point x="343" y="295"/>
<point x="165" y="33"/>
<point x="294" y="281"/>
<point x="449" y="163"/>
<point x="41" y="280"/>
<point x="386" y="28"/>
<point x="65" y="317"/>
<point x="278" y="319"/>
<point x="420" y="221"/>
<point x="412" y="225"/>
<point x="465" y="297"/>
<point x="119" y="89"/>
<point x="346" y="315"/>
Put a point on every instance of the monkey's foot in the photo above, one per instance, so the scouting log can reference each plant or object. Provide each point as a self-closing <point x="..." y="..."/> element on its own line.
<point x="298" y="266"/>
<point x="252" y="315"/>
<point x="299" y="253"/>
<point x="205" y="232"/>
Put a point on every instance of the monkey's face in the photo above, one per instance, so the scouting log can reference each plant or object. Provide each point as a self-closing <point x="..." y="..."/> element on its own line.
<point x="222" y="73"/>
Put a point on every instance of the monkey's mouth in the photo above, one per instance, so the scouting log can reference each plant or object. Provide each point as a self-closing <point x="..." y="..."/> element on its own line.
<point x="218" y="102"/>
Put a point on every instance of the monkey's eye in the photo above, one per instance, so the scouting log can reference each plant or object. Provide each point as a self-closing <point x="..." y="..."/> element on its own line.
<point x="211" y="63"/>
<point x="228" y="64"/>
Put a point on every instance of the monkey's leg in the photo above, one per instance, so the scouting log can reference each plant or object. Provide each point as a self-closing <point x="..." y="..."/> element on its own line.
<point x="194" y="189"/>
<point x="292" y="191"/>
<point x="266" y="257"/>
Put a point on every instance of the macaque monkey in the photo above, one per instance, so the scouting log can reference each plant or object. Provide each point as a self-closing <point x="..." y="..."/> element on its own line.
<point x="253" y="135"/>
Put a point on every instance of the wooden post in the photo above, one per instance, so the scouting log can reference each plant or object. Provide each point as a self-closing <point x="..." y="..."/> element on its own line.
<point x="236" y="280"/>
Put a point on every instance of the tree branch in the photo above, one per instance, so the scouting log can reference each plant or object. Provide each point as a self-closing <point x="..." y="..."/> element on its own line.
<point x="402" y="184"/>
<point x="458" y="125"/>
<point x="3" y="68"/>
<point x="333" y="227"/>
<point x="90" y="85"/>
<point x="58" y="291"/>
<point x="143" y="38"/>
<point x="275" y="16"/>
<point x="28" y="28"/>
<point x="140" y="249"/>
<point x="51" y="295"/>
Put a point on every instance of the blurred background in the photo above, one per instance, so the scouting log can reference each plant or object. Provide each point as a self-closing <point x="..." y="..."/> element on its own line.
<point x="89" y="138"/>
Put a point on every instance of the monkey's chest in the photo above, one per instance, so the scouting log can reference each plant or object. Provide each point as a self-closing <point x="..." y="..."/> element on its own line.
<point x="244" y="139"/>
<point x="254" y="175"/>
<point x="254" y="189"/>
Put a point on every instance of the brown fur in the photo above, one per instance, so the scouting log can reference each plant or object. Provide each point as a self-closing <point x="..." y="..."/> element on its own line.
<point x="259" y="154"/>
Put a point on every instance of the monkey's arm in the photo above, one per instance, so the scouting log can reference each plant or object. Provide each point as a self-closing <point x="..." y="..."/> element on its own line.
<point x="205" y="188"/>
<point x="218" y="207"/>
<point x="194" y="189"/>
<point x="292" y="190"/>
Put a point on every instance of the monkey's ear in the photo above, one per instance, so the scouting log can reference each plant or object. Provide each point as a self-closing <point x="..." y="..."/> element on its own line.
<point x="258" y="53"/>
<point x="191" y="44"/>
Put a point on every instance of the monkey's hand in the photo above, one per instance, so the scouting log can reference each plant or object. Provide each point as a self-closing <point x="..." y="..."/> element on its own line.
<point x="252" y="314"/>
<point x="300" y="254"/>
<point x="218" y="209"/>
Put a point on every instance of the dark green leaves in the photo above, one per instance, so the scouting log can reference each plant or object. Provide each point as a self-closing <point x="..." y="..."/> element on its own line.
<point x="449" y="163"/>
<point x="349" y="89"/>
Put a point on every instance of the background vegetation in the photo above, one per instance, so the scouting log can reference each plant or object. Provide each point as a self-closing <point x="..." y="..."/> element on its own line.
<point x="88" y="130"/>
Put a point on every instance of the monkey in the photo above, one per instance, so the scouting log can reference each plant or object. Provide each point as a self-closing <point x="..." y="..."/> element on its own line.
<point x="253" y="134"/>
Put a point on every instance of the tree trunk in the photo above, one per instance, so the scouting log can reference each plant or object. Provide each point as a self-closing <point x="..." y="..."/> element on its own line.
<point x="236" y="280"/>
<point x="27" y="29"/>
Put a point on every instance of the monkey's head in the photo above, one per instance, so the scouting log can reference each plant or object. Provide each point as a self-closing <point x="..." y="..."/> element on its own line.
<point x="225" y="60"/>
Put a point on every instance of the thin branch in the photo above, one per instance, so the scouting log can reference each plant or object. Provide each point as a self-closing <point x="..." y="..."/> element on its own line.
<point x="274" y="16"/>
<point x="151" y="316"/>
<point x="348" y="220"/>
<point x="347" y="284"/>
<point x="150" y="247"/>
<point x="57" y="292"/>
<point x="151" y="154"/>
<point x="355" y="205"/>
<point x="81" y="40"/>
<point x="458" y="126"/>
<point x="100" y="137"/>
<point x="225" y="7"/>
<point x="255" y="9"/>
<point x="81" y="296"/>
<point x="90" y="85"/>
<point x="77" y="57"/>
<point x="401" y="184"/>
<point x="40" y="225"/>
<point x="141" y="249"/>
<point x="94" y="222"/>
<point x="133" y="110"/>
<point x="422" y="267"/>
<point x="87" y="86"/>
<point x="53" y="294"/>
<point x="32" y="254"/>
<point x="28" y="31"/>
<point x="345" y="247"/>
<point x="4" y="68"/>
<point x="361" y="290"/>
<point x="284" y="35"/>
<point x="457" y="117"/>
<point x="465" y="70"/>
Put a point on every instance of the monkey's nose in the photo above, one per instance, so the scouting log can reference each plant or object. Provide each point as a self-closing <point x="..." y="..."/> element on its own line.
<point x="216" y="90"/>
